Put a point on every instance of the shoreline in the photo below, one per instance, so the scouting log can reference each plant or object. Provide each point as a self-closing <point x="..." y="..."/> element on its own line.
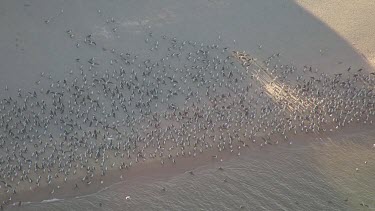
<point x="152" y="170"/>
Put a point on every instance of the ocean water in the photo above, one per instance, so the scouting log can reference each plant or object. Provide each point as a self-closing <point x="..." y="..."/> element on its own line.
<point x="316" y="176"/>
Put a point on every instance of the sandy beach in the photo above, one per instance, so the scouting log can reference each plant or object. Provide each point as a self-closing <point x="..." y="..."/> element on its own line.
<point x="140" y="95"/>
<point x="352" y="20"/>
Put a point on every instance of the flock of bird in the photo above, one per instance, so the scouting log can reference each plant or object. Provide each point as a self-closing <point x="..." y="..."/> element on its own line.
<point x="112" y="113"/>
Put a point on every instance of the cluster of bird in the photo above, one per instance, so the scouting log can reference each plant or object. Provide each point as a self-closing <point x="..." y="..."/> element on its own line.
<point x="111" y="113"/>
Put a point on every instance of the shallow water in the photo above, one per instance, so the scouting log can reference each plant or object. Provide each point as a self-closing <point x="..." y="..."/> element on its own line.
<point x="316" y="176"/>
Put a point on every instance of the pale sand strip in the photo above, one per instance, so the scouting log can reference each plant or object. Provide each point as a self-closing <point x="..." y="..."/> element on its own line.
<point x="354" y="20"/>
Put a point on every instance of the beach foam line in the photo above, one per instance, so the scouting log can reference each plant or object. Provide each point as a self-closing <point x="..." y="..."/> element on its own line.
<point x="44" y="201"/>
<point x="103" y="189"/>
<point x="51" y="200"/>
